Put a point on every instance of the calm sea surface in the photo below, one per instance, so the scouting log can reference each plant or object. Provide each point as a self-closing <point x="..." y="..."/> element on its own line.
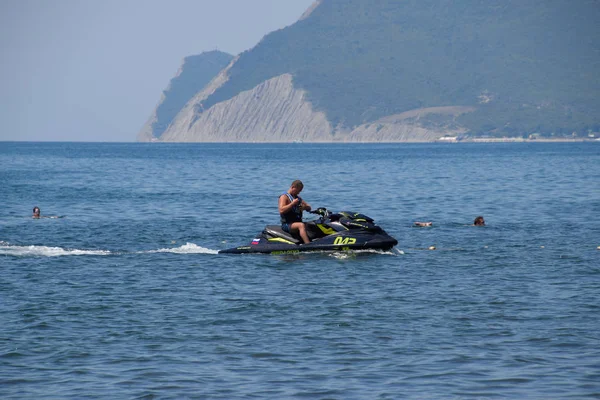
<point x="126" y="297"/>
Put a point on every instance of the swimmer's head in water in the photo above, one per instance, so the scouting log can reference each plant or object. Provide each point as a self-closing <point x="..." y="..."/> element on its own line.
<point x="36" y="211"/>
<point x="479" y="221"/>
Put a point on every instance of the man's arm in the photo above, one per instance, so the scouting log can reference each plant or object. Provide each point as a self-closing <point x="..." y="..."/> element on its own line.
<point x="285" y="205"/>
<point x="305" y="206"/>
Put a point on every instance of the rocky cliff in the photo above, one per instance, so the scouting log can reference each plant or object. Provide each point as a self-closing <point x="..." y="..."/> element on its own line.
<point x="276" y="111"/>
<point x="193" y="75"/>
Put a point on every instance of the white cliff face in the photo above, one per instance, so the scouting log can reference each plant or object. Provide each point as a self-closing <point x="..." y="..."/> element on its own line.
<point x="188" y="115"/>
<point x="273" y="111"/>
<point x="407" y="126"/>
<point x="193" y="75"/>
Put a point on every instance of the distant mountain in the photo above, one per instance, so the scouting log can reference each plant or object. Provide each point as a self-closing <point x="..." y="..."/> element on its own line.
<point x="193" y="75"/>
<point x="410" y="70"/>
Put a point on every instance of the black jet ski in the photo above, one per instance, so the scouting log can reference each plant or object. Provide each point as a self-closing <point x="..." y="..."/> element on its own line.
<point x="341" y="231"/>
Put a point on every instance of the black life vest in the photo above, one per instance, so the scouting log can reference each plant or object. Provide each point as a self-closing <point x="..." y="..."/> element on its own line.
<point x="295" y="214"/>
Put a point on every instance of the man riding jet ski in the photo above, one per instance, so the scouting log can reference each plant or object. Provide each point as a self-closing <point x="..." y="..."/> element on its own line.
<point x="291" y="206"/>
<point x="342" y="231"/>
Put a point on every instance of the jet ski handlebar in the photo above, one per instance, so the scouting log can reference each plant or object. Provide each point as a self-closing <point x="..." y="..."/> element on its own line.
<point x="322" y="211"/>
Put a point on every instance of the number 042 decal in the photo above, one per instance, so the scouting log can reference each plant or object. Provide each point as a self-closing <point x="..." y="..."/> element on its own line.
<point x="344" y="240"/>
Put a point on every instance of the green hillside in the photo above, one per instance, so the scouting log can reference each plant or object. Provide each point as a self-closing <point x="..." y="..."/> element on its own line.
<point x="527" y="65"/>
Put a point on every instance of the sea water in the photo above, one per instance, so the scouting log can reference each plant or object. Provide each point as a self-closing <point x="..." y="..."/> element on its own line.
<point x="125" y="296"/>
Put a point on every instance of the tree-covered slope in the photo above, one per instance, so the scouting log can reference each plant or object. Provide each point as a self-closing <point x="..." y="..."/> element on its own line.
<point x="527" y="65"/>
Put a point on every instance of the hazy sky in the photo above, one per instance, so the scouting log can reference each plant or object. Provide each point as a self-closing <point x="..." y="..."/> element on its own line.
<point x="93" y="70"/>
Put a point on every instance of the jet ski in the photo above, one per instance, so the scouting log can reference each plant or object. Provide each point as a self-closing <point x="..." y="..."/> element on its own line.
<point x="340" y="231"/>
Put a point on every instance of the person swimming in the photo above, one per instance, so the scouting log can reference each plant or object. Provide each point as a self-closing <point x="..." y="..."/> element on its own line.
<point x="37" y="213"/>
<point x="479" y="221"/>
<point x="423" y="224"/>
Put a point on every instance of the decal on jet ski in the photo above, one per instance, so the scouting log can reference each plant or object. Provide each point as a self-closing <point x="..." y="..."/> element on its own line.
<point x="344" y="240"/>
<point x="286" y="252"/>
<point x="280" y="240"/>
<point x="326" y="230"/>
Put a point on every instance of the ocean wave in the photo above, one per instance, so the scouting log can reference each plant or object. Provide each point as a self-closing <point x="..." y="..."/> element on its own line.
<point x="46" y="251"/>
<point x="188" y="248"/>
<point x="353" y="253"/>
<point x="7" y="249"/>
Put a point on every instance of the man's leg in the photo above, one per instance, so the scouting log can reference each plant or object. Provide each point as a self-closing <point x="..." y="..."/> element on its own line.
<point x="301" y="230"/>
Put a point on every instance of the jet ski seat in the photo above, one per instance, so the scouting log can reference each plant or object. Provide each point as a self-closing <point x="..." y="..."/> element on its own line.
<point x="276" y="232"/>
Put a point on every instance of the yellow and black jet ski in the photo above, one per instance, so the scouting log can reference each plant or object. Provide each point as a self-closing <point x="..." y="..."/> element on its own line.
<point x="341" y="231"/>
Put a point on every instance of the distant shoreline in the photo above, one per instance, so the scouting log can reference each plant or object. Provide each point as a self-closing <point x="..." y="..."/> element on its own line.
<point x="453" y="140"/>
<point x="440" y="140"/>
<point x="483" y="140"/>
<point x="508" y="139"/>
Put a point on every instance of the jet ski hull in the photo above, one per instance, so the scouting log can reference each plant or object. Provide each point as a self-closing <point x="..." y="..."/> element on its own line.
<point x="343" y="241"/>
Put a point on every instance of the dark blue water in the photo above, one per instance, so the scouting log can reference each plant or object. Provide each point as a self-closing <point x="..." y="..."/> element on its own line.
<point x="125" y="296"/>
